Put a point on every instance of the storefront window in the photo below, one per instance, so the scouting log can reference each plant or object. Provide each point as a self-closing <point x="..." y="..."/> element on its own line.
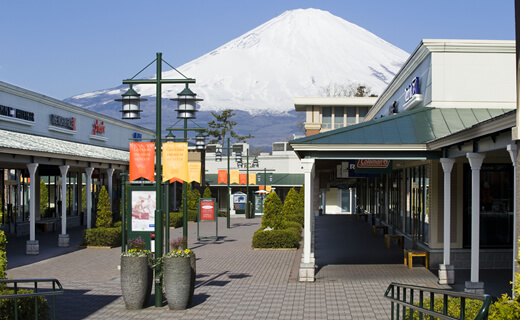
<point x="496" y="205"/>
<point x="351" y="115"/>
<point x="326" y="117"/>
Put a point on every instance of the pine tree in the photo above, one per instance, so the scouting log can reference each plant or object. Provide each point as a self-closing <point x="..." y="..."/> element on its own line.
<point x="273" y="212"/>
<point x="104" y="214"/>
<point x="207" y="193"/>
<point x="292" y="201"/>
<point x="44" y="197"/>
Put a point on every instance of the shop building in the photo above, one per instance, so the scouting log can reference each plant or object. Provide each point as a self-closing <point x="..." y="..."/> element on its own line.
<point x="54" y="159"/>
<point x="433" y="160"/>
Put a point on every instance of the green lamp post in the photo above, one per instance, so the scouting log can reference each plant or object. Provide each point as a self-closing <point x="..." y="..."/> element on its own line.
<point x="131" y="110"/>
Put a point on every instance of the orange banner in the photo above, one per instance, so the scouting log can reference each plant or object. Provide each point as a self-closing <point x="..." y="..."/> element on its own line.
<point x="222" y="176"/>
<point x="243" y="178"/>
<point x="260" y="187"/>
<point x="194" y="171"/>
<point x="234" y="176"/>
<point x="252" y="178"/>
<point x="142" y="160"/>
<point x="175" y="161"/>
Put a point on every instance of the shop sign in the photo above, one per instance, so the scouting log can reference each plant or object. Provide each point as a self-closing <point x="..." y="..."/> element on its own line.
<point x="62" y="122"/>
<point x="207" y="209"/>
<point x="16" y="113"/>
<point x="98" y="127"/>
<point x="137" y="135"/>
<point x="373" y="163"/>
<point x="412" y="89"/>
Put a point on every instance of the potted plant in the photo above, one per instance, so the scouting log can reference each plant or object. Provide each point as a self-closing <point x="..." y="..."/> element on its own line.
<point x="136" y="275"/>
<point x="179" y="275"/>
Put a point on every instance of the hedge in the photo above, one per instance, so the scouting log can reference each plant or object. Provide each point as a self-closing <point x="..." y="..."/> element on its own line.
<point x="295" y="218"/>
<point x="103" y="237"/>
<point x="285" y="238"/>
<point x="25" y="306"/>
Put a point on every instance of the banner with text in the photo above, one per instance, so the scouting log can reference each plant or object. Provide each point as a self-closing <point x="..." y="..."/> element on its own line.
<point x="175" y="161"/>
<point x="222" y="176"/>
<point x="142" y="160"/>
<point x="194" y="170"/>
<point x="234" y="176"/>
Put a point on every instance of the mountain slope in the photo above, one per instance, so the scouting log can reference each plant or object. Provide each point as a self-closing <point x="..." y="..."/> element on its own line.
<point x="295" y="54"/>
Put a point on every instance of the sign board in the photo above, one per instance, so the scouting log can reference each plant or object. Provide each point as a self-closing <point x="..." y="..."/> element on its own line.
<point x="140" y="213"/>
<point x="207" y="212"/>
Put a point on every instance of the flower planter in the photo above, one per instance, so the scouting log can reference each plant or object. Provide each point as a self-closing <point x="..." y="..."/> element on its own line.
<point x="136" y="281"/>
<point x="177" y="281"/>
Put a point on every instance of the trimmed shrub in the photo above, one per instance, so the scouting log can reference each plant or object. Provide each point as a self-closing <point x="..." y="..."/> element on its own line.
<point x="295" y="218"/>
<point x="273" y="212"/>
<point x="175" y="219"/>
<point x="294" y="225"/>
<point x="25" y="306"/>
<point x="104" y="214"/>
<point x="207" y="193"/>
<point x="275" y="239"/>
<point x="104" y="237"/>
<point x="292" y="202"/>
<point x="192" y="214"/>
<point x="472" y="308"/>
<point x="3" y="257"/>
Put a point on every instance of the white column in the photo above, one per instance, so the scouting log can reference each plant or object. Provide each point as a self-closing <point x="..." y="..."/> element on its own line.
<point x="88" y="194"/>
<point x="446" y="271"/>
<point x="63" y="238"/>
<point x="307" y="264"/>
<point x="475" y="161"/>
<point x="513" y="153"/>
<point x="110" y="173"/>
<point x="32" y="245"/>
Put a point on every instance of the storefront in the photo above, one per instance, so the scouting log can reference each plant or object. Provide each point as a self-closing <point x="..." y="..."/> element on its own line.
<point x="54" y="159"/>
<point x="444" y="123"/>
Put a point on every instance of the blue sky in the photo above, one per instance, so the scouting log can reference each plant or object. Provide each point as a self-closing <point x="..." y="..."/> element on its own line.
<point x="61" y="48"/>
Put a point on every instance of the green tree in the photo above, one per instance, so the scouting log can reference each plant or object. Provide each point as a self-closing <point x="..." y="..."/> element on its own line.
<point x="193" y="197"/>
<point x="302" y="199"/>
<point x="222" y="125"/>
<point x="292" y="202"/>
<point x="104" y="214"/>
<point x="207" y="193"/>
<point x="44" y="197"/>
<point x="273" y="212"/>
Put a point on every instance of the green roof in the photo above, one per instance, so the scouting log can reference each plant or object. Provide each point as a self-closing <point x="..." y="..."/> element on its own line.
<point x="411" y="127"/>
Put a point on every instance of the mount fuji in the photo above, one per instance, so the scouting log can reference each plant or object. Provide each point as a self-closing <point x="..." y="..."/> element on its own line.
<point x="258" y="74"/>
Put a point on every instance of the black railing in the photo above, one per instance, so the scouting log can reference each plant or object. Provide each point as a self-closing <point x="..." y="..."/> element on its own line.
<point x="14" y="284"/>
<point x="409" y="300"/>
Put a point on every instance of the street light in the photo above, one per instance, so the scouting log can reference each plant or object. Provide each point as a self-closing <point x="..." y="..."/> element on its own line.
<point x="218" y="158"/>
<point x="254" y="164"/>
<point x="131" y="110"/>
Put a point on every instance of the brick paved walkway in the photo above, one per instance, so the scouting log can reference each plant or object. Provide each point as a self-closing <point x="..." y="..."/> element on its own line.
<point x="233" y="280"/>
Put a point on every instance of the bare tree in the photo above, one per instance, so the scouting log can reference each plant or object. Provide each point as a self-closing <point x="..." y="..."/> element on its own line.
<point x="347" y="90"/>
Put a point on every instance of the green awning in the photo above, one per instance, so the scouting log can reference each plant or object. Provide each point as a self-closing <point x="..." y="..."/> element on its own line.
<point x="411" y="127"/>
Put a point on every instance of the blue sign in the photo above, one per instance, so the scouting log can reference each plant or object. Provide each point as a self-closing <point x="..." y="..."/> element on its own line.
<point x="412" y="89"/>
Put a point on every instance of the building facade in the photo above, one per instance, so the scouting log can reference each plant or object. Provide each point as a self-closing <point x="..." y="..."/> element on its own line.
<point x="54" y="159"/>
<point x="434" y="159"/>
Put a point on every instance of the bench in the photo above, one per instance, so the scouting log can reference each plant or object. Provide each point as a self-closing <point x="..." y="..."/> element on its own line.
<point x="389" y="238"/>
<point x="377" y="228"/>
<point x="410" y="254"/>
<point x="46" y="225"/>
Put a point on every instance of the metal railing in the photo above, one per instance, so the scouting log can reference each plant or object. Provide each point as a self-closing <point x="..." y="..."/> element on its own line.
<point x="405" y="297"/>
<point x="14" y="284"/>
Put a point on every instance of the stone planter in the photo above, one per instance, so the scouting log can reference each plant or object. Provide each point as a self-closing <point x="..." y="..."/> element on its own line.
<point x="177" y="281"/>
<point x="193" y="265"/>
<point x="136" y="282"/>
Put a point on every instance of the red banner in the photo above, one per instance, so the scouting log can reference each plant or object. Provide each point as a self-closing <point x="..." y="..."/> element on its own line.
<point x="243" y="178"/>
<point x="222" y="176"/>
<point x="142" y="160"/>
<point x="207" y="210"/>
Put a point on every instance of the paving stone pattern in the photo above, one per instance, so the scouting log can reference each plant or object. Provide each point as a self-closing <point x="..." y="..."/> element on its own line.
<point x="234" y="281"/>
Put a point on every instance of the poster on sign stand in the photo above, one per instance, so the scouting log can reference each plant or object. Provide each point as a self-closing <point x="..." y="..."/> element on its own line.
<point x="207" y="213"/>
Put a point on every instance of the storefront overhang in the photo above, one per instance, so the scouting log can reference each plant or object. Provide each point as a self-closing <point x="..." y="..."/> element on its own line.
<point x="403" y="136"/>
<point x="13" y="144"/>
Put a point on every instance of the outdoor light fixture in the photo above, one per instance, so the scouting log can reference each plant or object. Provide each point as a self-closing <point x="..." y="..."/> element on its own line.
<point x="218" y="156"/>
<point x="131" y="109"/>
<point x="238" y="156"/>
<point x="200" y="141"/>
<point x="131" y="104"/>
<point x="187" y="104"/>
<point x="170" y="137"/>
<point x="255" y="163"/>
